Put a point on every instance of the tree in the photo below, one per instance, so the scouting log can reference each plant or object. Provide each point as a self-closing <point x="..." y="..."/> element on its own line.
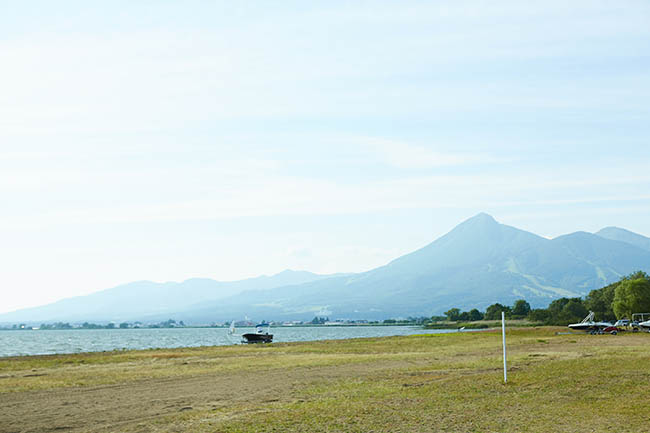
<point x="475" y="315"/>
<point x="453" y="314"/>
<point x="566" y="310"/>
<point x="538" y="315"/>
<point x="600" y="301"/>
<point x="520" y="309"/>
<point x="556" y="306"/>
<point x="170" y="323"/>
<point x="124" y="325"/>
<point x="636" y="275"/>
<point x="632" y="296"/>
<point x="493" y="312"/>
<point x="573" y="311"/>
<point x="464" y="316"/>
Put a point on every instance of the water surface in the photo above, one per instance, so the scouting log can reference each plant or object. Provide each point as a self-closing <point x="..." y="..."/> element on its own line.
<point x="45" y="342"/>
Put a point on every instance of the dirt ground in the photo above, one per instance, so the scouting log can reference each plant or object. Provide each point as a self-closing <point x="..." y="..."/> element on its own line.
<point x="135" y="405"/>
<point x="449" y="383"/>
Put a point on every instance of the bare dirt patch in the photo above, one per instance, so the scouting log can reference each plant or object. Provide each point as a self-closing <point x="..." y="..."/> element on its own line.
<point x="107" y="408"/>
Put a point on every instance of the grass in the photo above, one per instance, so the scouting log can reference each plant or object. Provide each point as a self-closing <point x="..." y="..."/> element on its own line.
<point x="445" y="382"/>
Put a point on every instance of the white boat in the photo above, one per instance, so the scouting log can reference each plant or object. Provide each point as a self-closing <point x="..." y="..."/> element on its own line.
<point x="232" y="337"/>
<point x="231" y="330"/>
<point x="588" y="324"/>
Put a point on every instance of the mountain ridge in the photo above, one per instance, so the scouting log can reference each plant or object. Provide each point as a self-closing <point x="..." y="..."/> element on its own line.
<point x="623" y="235"/>
<point x="477" y="263"/>
<point x="524" y="270"/>
<point x="163" y="298"/>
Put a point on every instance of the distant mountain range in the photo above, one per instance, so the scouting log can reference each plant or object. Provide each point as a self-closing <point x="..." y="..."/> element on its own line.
<point x="476" y="264"/>
<point x="143" y="299"/>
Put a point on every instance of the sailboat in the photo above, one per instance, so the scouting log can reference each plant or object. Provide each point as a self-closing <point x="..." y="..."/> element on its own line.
<point x="231" y="333"/>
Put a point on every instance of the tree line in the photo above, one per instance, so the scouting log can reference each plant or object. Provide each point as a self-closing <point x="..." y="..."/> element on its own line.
<point x="629" y="295"/>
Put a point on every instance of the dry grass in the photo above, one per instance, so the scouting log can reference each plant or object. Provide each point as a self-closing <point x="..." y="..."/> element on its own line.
<point x="428" y="383"/>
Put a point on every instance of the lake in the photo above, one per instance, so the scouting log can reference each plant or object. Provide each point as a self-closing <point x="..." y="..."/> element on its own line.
<point x="46" y="342"/>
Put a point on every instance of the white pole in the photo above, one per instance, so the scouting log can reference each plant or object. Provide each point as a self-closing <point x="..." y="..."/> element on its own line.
<point x="503" y="331"/>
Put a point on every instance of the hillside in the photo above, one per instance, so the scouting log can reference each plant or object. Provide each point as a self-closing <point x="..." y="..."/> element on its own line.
<point x="140" y="299"/>
<point x="619" y="234"/>
<point x="477" y="263"/>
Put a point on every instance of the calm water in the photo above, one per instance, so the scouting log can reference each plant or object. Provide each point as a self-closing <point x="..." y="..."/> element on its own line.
<point x="15" y="343"/>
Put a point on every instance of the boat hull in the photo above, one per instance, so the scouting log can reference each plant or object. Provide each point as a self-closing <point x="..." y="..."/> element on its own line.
<point x="257" y="338"/>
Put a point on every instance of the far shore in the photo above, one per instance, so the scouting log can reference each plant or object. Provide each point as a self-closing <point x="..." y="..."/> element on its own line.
<point x="302" y="325"/>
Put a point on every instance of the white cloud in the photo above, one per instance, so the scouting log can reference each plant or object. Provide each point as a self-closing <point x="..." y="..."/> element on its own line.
<point x="233" y="190"/>
<point x="154" y="79"/>
<point x="405" y="155"/>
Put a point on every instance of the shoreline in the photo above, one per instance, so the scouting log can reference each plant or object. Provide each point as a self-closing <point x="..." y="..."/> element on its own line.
<point x="108" y="341"/>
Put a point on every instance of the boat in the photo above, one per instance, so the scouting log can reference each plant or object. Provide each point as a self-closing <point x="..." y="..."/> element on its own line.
<point x="261" y="335"/>
<point x="640" y="321"/>
<point x="232" y="337"/>
<point x="589" y="325"/>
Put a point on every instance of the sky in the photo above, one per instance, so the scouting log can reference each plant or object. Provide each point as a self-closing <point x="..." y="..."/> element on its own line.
<point x="161" y="140"/>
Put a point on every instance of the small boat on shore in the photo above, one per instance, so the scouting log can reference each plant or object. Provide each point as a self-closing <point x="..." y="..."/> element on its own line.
<point x="589" y="325"/>
<point x="261" y="335"/>
<point x="645" y="325"/>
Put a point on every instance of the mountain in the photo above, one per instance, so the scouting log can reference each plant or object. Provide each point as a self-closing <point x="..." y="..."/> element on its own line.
<point x="619" y="234"/>
<point x="478" y="263"/>
<point x="141" y="299"/>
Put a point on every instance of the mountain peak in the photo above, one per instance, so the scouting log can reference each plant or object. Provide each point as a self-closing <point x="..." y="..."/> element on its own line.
<point x="614" y="229"/>
<point x="480" y="220"/>
<point x="480" y="224"/>
<point x="482" y="216"/>
<point x="287" y="272"/>
<point x="623" y="235"/>
<point x="611" y="228"/>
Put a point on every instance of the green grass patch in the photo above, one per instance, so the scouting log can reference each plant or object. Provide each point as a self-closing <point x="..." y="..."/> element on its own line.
<point x="421" y="383"/>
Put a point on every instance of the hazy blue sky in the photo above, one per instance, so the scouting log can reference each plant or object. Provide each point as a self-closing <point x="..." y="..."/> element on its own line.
<point x="168" y="140"/>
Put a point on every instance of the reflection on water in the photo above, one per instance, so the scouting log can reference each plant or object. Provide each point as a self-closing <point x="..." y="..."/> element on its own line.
<point x="15" y="343"/>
